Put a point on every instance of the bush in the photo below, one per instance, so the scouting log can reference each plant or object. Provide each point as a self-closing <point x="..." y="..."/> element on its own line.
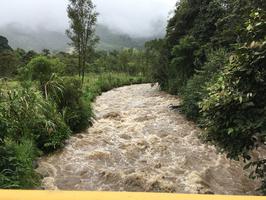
<point x="94" y="86"/>
<point x="196" y="88"/>
<point x="182" y="65"/>
<point x="41" y="69"/>
<point x="235" y="108"/>
<point x="25" y="114"/>
<point x="8" y="64"/>
<point x="16" y="165"/>
<point x="52" y="129"/>
<point x="108" y="81"/>
<point x="70" y="102"/>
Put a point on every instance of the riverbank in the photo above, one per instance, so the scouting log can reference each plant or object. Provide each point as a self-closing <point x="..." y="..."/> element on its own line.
<point x="138" y="144"/>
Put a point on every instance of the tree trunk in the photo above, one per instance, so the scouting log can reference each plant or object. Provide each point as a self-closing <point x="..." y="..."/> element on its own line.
<point x="83" y="66"/>
<point x="79" y="65"/>
<point x="82" y="70"/>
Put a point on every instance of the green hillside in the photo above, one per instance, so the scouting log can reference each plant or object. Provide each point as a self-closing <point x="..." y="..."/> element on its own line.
<point x="39" y="39"/>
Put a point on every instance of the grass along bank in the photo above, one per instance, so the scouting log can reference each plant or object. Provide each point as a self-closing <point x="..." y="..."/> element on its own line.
<point x="33" y="123"/>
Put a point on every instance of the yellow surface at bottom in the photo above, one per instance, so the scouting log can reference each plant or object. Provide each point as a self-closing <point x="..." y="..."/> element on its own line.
<point x="61" y="195"/>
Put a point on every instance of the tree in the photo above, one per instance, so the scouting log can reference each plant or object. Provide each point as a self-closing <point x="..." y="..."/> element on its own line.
<point x="26" y="58"/>
<point x="46" y="52"/>
<point x="42" y="69"/>
<point x="182" y="66"/>
<point x="188" y="39"/>
<point x="230" y="25"/>
<point x="8" y="59"/>
<point x="8" y="64"/>
<point x="4" y="44"/>
<point x="83" y="19"/>
<point x="157" y="60"/>
<point x="235" y="109"/>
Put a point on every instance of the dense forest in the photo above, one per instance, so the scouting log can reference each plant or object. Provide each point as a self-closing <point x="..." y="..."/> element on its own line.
<point x="212" y="56"/>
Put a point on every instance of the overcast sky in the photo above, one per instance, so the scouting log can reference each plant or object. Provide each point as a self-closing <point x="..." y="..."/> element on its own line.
<point x="135" y="17"/>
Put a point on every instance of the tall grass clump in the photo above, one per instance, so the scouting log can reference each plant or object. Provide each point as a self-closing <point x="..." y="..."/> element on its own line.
<point x="72" y="105"/>
<point x="29" y="125"/>
<point x="95" y="85"/>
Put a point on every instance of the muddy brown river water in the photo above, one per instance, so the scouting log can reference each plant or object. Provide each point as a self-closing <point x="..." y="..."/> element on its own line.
<point x="138" y="144"/>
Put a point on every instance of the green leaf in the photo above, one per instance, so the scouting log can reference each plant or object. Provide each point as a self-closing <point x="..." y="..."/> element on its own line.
<point x="230" y="131"/>
<point x="250" y="27"/>
<point x="241" y="99"/>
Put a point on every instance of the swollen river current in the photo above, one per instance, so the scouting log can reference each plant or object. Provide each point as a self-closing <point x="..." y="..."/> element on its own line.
<point x="138" y="144"/>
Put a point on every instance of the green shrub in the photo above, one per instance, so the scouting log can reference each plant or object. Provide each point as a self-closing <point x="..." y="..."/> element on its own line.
<point x="235" y="106"/>
<point x="16" y="165"/>
<point x="235" y="109"/>
<point x="41" y="69"/>
<point x="196" y="89"/>
<point x="95" y="85"/>
<point x="8" y="64"/>
<point x="25" y="113"/>
<point x="67" y="93"/>
<point x="182" y="66"/>
<point x="107" y="82"/>
<point x="70" y="102"/>
<point x="52" y="131"/>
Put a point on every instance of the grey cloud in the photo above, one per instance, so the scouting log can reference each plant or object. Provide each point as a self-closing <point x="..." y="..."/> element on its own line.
<point x="134" y="17"/>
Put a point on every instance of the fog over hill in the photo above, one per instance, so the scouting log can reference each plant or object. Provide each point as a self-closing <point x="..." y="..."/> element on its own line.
<point x="40" y="38"/>
<point x="33" y="39"/>
<point x="36" y="25"/>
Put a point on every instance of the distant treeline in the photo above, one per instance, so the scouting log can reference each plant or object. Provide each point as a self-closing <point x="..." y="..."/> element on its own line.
<point x="128" y="60"/>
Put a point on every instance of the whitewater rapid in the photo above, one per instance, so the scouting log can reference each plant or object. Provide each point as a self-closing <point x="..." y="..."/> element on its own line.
<point x="138" y="144"/>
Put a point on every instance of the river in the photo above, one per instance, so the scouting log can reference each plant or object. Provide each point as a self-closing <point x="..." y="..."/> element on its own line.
<point x="138" y="144"/>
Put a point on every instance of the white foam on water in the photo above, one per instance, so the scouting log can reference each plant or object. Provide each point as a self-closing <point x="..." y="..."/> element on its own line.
<point x="138" y="144"/>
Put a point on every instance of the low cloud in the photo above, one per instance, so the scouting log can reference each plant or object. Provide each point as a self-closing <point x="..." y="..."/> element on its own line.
<point x="135" y="17"/>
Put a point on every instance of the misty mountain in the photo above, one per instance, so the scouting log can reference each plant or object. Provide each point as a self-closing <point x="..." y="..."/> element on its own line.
<point x="41" y="38"/>
<point x="110" y="40"/>
<point x="33" y="39"/>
